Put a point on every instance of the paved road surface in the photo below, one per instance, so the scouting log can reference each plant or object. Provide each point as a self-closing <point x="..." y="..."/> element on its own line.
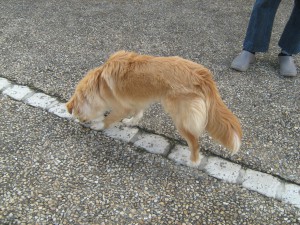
<point x="50" y="167"/>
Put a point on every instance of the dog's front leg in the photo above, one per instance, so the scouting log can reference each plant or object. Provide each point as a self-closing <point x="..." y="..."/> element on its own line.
<point x="133" y="121"/>
<point x="97" y="124"/>
<point x="115" y="116"/>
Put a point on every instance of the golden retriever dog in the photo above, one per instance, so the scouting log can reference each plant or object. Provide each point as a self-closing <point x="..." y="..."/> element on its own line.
<point x="128" y="82"/>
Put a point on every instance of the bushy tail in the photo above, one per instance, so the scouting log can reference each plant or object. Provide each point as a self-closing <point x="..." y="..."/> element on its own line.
<point x="222" y="124"/>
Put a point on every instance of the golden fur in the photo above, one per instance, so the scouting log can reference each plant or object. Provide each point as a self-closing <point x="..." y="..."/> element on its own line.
<point x="128" y="82"/>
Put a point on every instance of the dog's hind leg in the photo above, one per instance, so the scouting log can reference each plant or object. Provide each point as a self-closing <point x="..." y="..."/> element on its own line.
<point x="189" y="113"/>
<point x="193" y="144"/>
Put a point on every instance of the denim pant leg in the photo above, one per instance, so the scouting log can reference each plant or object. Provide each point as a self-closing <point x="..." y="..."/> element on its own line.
<point x="290" y="38"/>
<point x="260" y="25"/>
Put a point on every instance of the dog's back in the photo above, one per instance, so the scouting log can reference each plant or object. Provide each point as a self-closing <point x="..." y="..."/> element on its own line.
<point x="158" y="76"/>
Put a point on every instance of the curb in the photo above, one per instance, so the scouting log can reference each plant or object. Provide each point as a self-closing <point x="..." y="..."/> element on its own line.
<point x="219" y="168"/>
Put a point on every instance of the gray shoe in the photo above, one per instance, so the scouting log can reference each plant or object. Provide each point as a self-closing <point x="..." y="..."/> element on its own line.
<point x="243" y="61"/>
<point x="287" y="66"/>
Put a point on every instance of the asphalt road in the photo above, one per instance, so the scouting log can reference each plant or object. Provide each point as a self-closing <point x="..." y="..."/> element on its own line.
<point x="50" y="45"/>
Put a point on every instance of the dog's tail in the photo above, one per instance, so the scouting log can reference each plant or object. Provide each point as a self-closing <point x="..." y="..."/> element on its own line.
<point x="222" y="124"/>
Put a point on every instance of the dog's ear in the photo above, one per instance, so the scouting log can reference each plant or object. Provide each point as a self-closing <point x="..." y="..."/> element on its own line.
<point x="98" y="71"/>
<point x="70" y="106"/>
<point x="95" y="78"/>
<point x="95" y="74"/>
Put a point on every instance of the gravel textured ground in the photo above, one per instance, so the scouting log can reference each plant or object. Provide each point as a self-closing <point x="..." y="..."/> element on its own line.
<point x="54" y="171"/>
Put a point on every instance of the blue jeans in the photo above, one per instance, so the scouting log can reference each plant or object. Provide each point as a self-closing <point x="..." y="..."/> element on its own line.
<point x="260" y="28"/>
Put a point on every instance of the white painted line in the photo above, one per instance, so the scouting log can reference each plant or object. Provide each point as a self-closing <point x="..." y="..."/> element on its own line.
<point x="120" y="132"/>
<point x="4" y="83"/>
<point x="222" y="169"/>
<point x="60" y="110"/>
<point x="153" y="143"/>
<point x="181" y="155"/>
<point x="41" y="100"/>
<point x="17" y="92"/>
<point x="291" y="194"/>
<point x="261" y="182"/>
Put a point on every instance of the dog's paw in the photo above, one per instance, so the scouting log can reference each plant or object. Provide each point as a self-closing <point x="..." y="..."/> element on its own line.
<point x="97" y="126"/>
<point x="130" y="122"/>
<point x="193" y="164"/>
<point x="133" y="121"/>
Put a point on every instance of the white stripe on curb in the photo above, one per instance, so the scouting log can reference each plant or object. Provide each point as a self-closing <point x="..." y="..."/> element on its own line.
<point x="223" y="169"/>
<point x="121" y="132"/>
<point x="219" y="168"/>
<point x="17" y="92"/>
<point x="291" y="194"/>
<point x="60" y="111"/>
<point x="261" y="182"/>
<point x="4" y="83"/>
<point x="153" y="143"/>
<point x="41" y="100"/>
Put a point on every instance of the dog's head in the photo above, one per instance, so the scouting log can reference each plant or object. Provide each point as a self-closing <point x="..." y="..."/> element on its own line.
<point x="87" y="104"/>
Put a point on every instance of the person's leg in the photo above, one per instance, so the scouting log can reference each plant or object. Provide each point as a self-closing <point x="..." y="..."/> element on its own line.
<point x="290" y="38"/>
<point x="290" y="43"/>
<point x="258" y="33"/>
<point x="260" y="25"/>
